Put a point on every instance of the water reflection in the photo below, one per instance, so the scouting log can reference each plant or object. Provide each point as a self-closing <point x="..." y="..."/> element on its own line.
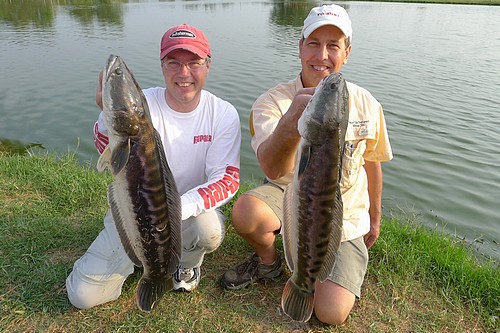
<point x="41" y="14"/>
<point x="206" y="7"/>
<point x="291" y="13"/>
<point x="103" y="11"/>
<point x="24" y="13"/>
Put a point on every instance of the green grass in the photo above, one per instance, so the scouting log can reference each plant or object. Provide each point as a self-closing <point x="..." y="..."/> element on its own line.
<point x="438" y="261"/>
<point x="52" y="208"/>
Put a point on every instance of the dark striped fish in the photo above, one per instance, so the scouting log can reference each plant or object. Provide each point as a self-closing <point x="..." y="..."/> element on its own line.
<point x="143" y="197"/>
<point x="313" y="210"/>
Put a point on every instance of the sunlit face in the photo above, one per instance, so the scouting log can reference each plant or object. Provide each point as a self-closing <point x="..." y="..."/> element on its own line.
<point x="322" y="53"/>
<point x="184" y="85"/>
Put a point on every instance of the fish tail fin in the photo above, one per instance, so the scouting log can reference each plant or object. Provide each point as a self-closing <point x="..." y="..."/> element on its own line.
<point x="150" y="291"/>
<point x="297" y="305"/>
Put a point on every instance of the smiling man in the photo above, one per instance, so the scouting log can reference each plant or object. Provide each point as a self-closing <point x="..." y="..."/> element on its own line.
<point x="201" y="136"/>
<point x="257" y="215"/>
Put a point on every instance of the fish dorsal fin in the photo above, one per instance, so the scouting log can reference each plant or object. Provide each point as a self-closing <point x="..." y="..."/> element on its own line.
<point x="173" y="203"/>
<point x="121" y="225"/>
<point x="335" y="238"/>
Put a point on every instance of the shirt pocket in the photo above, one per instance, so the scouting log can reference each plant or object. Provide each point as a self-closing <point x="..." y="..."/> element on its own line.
<point x="352" y="162"/>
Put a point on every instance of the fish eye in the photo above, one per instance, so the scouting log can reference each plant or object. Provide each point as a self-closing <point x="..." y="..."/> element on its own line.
<point x="118" y="71"/>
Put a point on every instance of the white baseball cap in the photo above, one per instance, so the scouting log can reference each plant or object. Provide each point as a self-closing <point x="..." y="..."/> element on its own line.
<point x="327" y="15"/>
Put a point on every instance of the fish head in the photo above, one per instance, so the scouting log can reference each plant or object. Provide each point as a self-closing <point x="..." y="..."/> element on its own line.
<point x="124" y="105"/>
<point x="327" y="109"/>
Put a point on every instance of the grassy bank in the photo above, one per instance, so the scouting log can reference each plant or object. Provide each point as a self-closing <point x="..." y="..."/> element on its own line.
<point x="52" y="209"/>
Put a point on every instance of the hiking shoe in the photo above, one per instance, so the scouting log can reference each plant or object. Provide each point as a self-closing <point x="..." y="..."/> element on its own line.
<point x="186" y="279"/>
<point x="250" y="270"/>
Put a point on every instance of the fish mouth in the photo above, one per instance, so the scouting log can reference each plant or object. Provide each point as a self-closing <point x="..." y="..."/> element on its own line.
<point x="112" y="64"/>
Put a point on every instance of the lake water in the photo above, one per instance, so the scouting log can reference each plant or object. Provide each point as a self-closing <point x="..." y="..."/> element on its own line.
<point x="434" y="68"/>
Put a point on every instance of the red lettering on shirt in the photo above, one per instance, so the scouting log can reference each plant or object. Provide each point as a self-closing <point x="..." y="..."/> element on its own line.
<point x="207" y="196"/>
<point x="219" y="191"/>
<point x="100" y="140"/>
<point x="202" y="138"/>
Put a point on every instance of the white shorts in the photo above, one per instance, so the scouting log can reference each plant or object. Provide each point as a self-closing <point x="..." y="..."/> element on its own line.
<point x="98" y="276"/>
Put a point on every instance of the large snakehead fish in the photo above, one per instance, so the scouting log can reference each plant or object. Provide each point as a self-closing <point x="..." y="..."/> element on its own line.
<point x="143" y="196"/>
<point x="313" y="209"/>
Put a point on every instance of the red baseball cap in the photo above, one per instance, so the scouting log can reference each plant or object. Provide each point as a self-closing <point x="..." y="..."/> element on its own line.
<point x="185" y="37"/>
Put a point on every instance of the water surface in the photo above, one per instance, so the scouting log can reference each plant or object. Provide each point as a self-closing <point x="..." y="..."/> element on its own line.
<point x="434" y="68"/>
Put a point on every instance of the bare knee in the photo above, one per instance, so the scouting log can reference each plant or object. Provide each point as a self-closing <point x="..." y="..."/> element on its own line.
<point x="242" y="214"/>
<point x="332" y="303"/>
<point x="332" y="316"/>
<point x="251" y="215"/>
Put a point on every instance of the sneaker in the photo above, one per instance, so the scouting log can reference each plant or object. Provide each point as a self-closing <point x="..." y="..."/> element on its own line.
<point x="186" y="279"/>
<point x="250" y="270"/>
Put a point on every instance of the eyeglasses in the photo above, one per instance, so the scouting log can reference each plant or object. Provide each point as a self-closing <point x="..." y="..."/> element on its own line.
<point x="175" y="65"/>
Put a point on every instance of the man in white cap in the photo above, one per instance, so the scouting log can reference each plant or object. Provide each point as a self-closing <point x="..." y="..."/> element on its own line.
<point x="323" y="49"/>
<point x="201" y="136"/>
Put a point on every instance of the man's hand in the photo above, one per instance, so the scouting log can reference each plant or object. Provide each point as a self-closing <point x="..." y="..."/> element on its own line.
<point x="372" y="235"/>
<point x="374" y="175"/>
<point x="276" y="155"/>
<point x="298" y="106"/>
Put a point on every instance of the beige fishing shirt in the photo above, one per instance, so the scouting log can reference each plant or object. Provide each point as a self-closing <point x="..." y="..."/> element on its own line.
<point x="366" y="139"/>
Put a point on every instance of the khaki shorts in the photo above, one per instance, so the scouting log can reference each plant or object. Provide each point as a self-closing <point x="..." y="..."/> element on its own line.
<point x="352" y="260"/>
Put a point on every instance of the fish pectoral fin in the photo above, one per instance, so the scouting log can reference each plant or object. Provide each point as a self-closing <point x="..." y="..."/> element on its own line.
<point x="120" y="156"/>
<point x="104" y="161"/>
<point x="305" y="156"/>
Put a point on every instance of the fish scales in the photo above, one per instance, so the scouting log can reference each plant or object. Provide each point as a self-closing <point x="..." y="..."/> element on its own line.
<point x="143" y="196"/>
<point x="151" y="209"/>
<point x="313" y="209"/>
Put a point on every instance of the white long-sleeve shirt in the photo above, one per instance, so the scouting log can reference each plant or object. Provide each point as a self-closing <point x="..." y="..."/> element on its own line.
<point x="202" y="148"/>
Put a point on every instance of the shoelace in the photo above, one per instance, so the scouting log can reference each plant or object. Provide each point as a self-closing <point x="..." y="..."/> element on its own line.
<point x="252" y="264"/>
<point x="184" y="274"/>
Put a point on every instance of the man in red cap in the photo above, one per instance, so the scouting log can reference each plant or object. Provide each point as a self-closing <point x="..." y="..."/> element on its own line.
<point x="201" y="137"/>
<point x="257" y="214"/>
